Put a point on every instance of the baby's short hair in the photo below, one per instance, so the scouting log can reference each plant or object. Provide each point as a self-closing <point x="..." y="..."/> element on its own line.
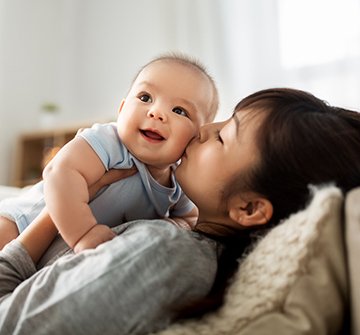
<point x="195" y="64"/>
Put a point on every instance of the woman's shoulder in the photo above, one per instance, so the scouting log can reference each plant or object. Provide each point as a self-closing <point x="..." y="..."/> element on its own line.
<point x="172" y="241"/>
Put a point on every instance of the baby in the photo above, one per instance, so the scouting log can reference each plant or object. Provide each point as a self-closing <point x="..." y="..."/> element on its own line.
<point x="168" y="101"/>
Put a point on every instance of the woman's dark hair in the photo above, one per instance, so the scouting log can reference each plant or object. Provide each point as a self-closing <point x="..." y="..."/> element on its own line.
<point x="301" y="141"/>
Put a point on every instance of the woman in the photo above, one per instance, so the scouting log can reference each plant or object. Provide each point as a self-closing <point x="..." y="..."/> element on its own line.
<point x="244" y="175"/>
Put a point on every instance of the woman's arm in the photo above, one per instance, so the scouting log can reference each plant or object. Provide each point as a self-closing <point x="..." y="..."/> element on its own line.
<point x="37" y="237"/>
<point x="110" y="177"/>
<point x="187" y="221"/>
<point x="15" y="267"/>
<point x="102" y="290"/>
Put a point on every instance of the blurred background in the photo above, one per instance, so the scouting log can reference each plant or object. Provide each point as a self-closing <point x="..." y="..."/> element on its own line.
<point x="65" y="64"/>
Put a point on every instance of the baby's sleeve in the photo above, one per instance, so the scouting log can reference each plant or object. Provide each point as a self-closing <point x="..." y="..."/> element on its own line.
<point x="104" y="140"/>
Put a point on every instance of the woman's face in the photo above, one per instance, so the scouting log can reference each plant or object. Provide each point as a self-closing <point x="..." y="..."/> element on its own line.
<point x="221" y="151"/>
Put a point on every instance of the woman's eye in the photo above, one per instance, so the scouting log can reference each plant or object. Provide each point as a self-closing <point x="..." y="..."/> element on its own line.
<point x="218" y="136"/>
<point x="180" y="111"/>
<point x="145" y="98"/>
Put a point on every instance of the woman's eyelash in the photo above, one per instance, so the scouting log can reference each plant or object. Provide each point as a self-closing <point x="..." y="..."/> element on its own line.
<point x="219" y="137"/>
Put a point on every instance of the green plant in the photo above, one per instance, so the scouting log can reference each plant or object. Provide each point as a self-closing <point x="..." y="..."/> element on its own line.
<point x="49" y="107"/>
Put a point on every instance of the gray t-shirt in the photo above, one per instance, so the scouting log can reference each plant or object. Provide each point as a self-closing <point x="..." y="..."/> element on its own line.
<point x="133" y="284"/>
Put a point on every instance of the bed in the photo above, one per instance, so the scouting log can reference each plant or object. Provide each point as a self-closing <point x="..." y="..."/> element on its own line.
<point x="301" y="278"/>
<point x="9" y="191"/>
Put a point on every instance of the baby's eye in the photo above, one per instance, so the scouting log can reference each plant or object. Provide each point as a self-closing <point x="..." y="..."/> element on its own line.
<point x="145" y="98"/>
<point x="180" y="111"/>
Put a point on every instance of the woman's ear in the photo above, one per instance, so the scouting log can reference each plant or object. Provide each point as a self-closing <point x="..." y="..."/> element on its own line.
<point x="121" y="105"/>
<point x="256" y="211"/>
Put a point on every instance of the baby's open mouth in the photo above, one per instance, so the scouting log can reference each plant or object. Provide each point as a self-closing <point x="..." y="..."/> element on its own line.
<point x="152" y="135"/>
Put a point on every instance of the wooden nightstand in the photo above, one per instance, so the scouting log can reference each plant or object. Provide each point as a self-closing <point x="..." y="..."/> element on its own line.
<point x="35" y="149"/>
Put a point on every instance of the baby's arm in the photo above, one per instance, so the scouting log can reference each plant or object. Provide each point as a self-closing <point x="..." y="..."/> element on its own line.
<point x="37" y="237"/>
<point x="66" y="180"/>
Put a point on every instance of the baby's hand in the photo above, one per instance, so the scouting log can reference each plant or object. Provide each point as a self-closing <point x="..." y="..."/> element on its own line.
<point x="95" y="236"/>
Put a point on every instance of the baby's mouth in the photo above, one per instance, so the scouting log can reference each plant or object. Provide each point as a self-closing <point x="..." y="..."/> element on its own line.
<point x="152" y="135"/>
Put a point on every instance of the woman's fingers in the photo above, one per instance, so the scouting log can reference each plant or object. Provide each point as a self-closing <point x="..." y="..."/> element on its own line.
<point x="110" y="177"/>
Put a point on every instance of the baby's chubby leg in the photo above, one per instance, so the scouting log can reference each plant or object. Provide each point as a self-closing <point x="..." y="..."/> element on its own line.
<point x="8" y="231"/>
<point x="36" y="238"/>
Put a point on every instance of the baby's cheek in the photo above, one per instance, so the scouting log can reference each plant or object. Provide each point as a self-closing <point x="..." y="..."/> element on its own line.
<point x="186" y="138"/>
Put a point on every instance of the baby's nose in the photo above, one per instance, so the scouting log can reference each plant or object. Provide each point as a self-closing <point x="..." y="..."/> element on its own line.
<point x="157" y="115"/>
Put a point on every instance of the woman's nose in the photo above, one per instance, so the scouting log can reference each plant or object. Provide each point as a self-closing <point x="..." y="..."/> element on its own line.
<point x="203" y="134"/>
<point x="207" y="131"/>
<point x="157" y="115"/>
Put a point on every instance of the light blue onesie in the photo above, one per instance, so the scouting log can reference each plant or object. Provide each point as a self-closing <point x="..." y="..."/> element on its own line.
<point x="136" y="197"/>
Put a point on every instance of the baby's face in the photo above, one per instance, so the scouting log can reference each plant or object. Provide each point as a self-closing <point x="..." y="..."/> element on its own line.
<point x="163" y="111"/>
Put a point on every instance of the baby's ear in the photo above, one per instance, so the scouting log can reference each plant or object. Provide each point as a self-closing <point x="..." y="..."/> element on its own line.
<point x="121" y="105"/>
<point x="255" y="211"/>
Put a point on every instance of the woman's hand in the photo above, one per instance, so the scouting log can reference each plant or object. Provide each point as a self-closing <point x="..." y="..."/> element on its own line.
<point x="110" y="177"/>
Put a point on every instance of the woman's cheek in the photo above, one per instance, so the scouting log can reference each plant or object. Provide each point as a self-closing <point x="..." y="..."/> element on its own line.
<point x="207" y="156"/>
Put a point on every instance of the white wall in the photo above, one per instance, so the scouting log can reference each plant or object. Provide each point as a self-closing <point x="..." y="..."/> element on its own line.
<point x="321" y="36"/>
<point x="82" y="54"/>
